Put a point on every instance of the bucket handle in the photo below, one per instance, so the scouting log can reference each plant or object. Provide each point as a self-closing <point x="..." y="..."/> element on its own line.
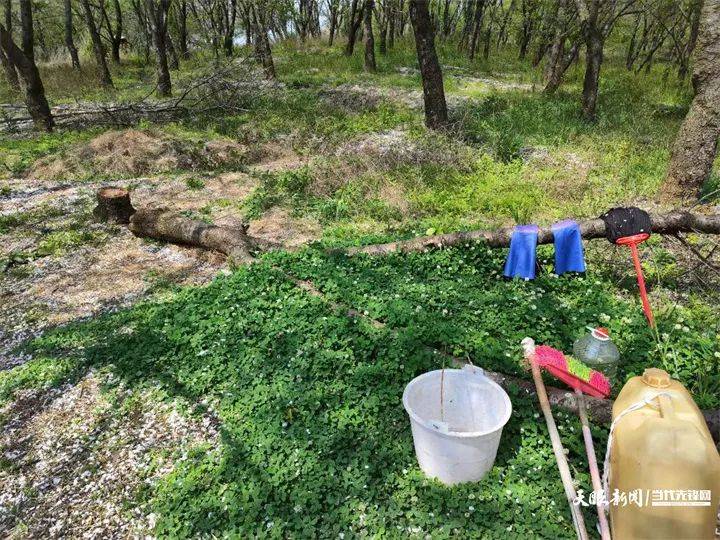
<point x="472" y="369"/>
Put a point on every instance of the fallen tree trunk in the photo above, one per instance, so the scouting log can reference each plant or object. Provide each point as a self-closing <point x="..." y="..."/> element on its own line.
<point x="672" y="223"/>
<point x="170" y="227"/>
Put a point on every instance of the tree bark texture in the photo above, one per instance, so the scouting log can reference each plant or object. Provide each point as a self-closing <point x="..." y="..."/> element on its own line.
<point x="695" y="147"/>
<point x="263" y="52"/>
<point x="182" y="29"/>
<point x="98" y="47"/>
<point x="69" y="41"/>
<point x="113" y="205"/>
<point x="158" y="13"/>
<point x="28" y="32"/>
<point x="170" y="227"/>
<point x="117" y="34"/>
<point x="672" y="223"/>
<point x="11" y="75"/>
<point x="593" y="60"/>
<point x="355" y="20"/>
<point x="35" y="100"/>
<point x="369" y="62"/>
<point x="436" y="115"/>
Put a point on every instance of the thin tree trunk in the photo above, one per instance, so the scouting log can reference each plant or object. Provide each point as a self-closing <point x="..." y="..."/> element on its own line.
<point x="695" y="147"/>
<point x="561" y="67"/>
<point x="229" y="38"/>
<point x="355" y="20"/>
<point x="692" y="40"/>
<point x="117" y="34"/>
<point x="69" y="42"/>
<point x="158" y="12"/>
<point x="174" y="61"/>
<point x="37" y="104"/>
<point x="263" y="52"/>
<point x="552" y="73"/>
<point x="28" y="32"/>
<point x="10" y="74"/>
<point x="382" y="19"/>
<point x="98" y="48"/>
<point x="593" y="61"/>
<point x="333" y="8"/>
<point x="436" y="115"/>
<point x="369" y="63"/>
<point x="391" y="24"/>
<point x="182" y="30"/>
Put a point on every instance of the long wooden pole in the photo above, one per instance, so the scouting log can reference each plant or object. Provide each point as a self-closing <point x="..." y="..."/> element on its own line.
<point x="592" y="462"/>
<point x="563" y="467"/>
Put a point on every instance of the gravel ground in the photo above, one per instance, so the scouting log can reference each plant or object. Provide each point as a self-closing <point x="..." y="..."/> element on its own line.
<point x="74" y="459"/>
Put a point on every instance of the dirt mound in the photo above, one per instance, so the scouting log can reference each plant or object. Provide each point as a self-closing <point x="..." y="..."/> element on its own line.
<point x="398" y="147"/>
<point x="132" y="153"/>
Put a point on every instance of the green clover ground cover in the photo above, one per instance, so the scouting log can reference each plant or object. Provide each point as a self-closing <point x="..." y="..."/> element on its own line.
<point x="458" y="301"/>
<point x="314" y="439"/>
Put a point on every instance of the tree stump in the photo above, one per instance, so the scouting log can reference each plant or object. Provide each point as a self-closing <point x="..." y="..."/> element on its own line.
<point x="113" y="205"/>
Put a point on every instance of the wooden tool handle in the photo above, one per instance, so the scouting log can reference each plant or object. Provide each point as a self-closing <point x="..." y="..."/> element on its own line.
<point x="592" y="462"/>
<point x="558" y="449"/>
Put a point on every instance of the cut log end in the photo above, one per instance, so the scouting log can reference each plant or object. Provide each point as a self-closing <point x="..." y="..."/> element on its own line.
<point x="114" y="205"/>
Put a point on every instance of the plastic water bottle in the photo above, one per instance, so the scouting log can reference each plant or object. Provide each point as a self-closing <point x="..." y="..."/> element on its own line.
<point x="597" y="350"/>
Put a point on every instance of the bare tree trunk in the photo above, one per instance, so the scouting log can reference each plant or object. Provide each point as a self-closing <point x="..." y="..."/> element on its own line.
<point x="229" y="37"/>
<point x="479" y="13"/>
<point x="594" y="43"/>
<point x="695" y="147"/>
<point x="115" y="34"/>
<point x="35" y="100"/>
<point x="69" y="42"/>
<point x="10" y="73"/>
<point x="391" y="24"/>
<point x="369" y="64"/>
<point x="174" y="61"/>
<point x="382" y="16"/>
<point x="355" y="20"/>
<point x="333" y="6"/>
<point x="263" y="52"/>
<point x="692" y="39"/>
<point x="593" y="61"/>
<point x="98" y="48"/>
<point x="158" y="13"/>
<point x="28" y="32"/>
<point x="182" y="29"/>
<point x="436" y="115"/>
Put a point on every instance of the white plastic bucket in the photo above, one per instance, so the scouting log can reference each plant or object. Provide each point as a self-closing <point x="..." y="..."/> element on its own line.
<point x="461" y="446"/>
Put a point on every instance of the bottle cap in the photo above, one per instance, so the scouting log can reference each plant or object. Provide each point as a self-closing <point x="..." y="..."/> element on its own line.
<point x="601" y="333"/>
<point x="655" y="377"/>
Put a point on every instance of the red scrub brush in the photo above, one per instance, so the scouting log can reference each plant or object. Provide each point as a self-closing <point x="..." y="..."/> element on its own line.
<point x="583" y="380"/>
<point x="572" y="372"/>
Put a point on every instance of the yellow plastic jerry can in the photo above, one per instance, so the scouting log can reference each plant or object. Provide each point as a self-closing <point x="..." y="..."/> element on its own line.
<point x="665" y="468"/>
